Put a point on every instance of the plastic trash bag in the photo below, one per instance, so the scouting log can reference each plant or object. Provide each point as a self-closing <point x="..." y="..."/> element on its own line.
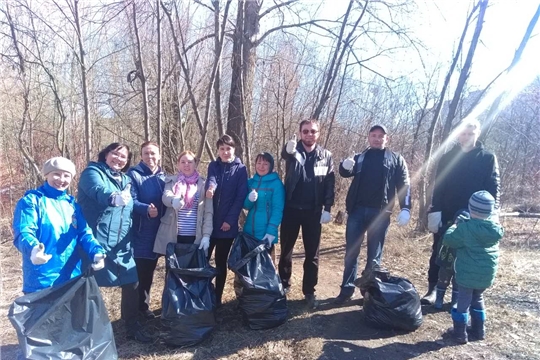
<point x="189" y="299"/>
<point x="389" y="302"/>
<point x="260" y="294"/>
<point x="68" y="321"/>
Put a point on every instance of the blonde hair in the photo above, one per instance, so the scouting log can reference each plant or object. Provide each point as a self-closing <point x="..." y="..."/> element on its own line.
<point x="190" y="153"/>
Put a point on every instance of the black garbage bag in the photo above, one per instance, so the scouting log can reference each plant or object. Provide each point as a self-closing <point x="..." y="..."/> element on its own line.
<point x="260" y="294"/>
<point x="68" y="321"/>
<point x="189" y="299"/>
<point x="389" y="302"/>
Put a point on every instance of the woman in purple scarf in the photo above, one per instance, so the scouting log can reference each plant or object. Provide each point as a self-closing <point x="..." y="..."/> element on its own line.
<point x="188" y="218"/>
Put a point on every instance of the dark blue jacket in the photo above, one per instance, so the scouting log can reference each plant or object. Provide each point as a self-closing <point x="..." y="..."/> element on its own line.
<point x="111" y="224"/>
<point x="146" y="188"/>
<point x="51" y="217"/>
<point x="231" y="181"/>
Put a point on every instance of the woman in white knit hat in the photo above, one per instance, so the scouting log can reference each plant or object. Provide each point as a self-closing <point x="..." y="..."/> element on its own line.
<point x="48" y="225"/>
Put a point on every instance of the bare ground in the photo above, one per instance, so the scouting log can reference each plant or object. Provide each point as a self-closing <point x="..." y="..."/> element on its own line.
<point x="330" y="332"/>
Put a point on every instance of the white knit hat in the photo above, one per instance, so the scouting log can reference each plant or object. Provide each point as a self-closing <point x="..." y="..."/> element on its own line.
<point x="481" y="204"/>
<point x="59" y="163"/>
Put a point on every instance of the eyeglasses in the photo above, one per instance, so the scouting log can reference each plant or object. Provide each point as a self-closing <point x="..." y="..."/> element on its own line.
<point x="118" y="155"/>
<point x="312" y="131"/>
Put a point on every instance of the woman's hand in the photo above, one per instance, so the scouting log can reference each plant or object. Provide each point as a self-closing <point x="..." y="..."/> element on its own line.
<point x="225" y="227"/>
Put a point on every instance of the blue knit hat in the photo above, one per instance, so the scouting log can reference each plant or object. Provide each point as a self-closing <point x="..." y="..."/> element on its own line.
<point x="481" y="204"/>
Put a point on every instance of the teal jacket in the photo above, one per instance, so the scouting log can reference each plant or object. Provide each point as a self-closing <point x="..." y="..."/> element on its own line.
<point x="265" y="214"/>
<point x="477" y="255"/>
<point x="111" y="225"/>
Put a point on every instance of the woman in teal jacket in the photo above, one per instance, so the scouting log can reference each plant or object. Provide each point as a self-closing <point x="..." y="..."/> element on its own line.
<point x="264" y="202"/>
<point x="105" y="198"/>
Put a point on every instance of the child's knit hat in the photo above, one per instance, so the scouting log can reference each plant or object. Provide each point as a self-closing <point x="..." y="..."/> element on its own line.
<point x="481" y="205"/>
<point x="59" y="163"/>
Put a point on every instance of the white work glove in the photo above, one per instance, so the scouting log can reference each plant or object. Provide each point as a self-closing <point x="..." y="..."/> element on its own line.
<point x="403" y="217"/>
<point x="348" y="163"/>
<point x="434" y="221"/>
<point x="99" y="262"/>
<point x="269" y="239"/>
<point x="38" y="256"/>
<point x="325" y="217"/>
<point x="178" y="203"/>
<point x="291" y="145"/>
<point x="253" y="196"/>
<point x="122" y="198"/>
<point x="205" y="243"/>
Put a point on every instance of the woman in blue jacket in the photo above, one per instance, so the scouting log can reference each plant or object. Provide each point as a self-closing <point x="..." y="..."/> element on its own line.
<point x="48" y="225"/>
<point x="227" y="186"/>
<point x="147" y="185"/>
<point x="265" y="202"/>
<point x="105" y="198"/>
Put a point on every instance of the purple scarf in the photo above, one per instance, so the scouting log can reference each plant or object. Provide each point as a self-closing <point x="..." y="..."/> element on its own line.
<point x="186" y="187"/>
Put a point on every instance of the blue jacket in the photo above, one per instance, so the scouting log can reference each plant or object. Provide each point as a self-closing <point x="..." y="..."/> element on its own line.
<point x="146" y="188"/>
<point x="111" y="224"/>
<point x="51" y="217"/>
<point x="477" y="255"/>
<point x="265" y="214"/>
<point x="231" y="182"/>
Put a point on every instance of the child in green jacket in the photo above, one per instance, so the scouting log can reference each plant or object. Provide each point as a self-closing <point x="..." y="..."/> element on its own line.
<point x="477" y="257"/>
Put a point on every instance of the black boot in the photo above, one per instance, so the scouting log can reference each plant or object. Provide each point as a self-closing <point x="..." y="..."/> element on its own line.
<point x="431" y="295"/>
<point x="460" y="326"/>
<point x="478" y="321"/>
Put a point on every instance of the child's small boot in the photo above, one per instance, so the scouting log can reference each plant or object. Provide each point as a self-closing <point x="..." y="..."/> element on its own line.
<point x="460" y="326"/>
<point x="478" y="327"/>
<point x="453" y="301"/>
<point x="439" y="300"/>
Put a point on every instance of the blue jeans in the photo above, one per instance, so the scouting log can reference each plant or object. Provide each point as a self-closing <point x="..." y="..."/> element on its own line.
<point x="473" y="298"/>
<point x="363" y="219"/>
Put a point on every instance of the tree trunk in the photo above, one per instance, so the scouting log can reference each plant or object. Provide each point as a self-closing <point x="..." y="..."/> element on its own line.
<point x="159" y="76"/>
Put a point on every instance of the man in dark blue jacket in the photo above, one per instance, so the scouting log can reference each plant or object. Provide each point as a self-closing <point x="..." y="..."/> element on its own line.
<point x="462" y="171"/>
<point x="309" y="190"/>
<point x="378" y="175"/>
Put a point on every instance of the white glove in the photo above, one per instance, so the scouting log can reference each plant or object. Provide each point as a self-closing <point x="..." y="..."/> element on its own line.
<point x="291" y="145"/>
<point x="269" y="238"/>
<point x="99" y="262"/>
<point x="434" y="221"/>
<point x="253" y="196"/>
<point x="348" y="164"/>
<point x="122" y="198"/>
<point x="403" y="217"/>
<point x="38" y="256"/>
<point x="205" y="243"/>
<point x="325" y="217"/>
<point x="178" y="203"/>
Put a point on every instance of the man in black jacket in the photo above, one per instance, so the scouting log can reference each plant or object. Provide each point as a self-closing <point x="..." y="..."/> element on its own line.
<point x="462" y="171"/>
<point x="309" y="189"/>
<point x="378" y="175"/>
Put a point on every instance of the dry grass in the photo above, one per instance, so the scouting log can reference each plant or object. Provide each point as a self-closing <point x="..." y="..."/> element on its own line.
<point x="513" y="306"/>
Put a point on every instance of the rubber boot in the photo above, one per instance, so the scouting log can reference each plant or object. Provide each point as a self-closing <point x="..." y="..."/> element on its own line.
<point x="439" y="301"/>
<point x="453" y="301"/>
<point x="478" y="321"/>
<point x="430" y="296"/>
<point x="460" y="326"/>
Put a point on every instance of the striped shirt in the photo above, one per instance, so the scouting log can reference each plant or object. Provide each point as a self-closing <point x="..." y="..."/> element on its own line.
<point x="187" y="218"/>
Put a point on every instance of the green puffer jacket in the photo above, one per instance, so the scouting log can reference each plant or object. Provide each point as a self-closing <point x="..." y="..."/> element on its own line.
<point x="477" y="244"/>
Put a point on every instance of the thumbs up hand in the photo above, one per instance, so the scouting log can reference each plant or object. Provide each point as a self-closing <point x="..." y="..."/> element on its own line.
<point x="38" y="256"/>
<point x="253" y="196"/>
<point x="291" y="145"/>
<point x="348" y="163"/>
<point x="152" y="211"/>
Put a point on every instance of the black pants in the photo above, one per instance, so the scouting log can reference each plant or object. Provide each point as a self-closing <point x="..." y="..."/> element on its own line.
<point x="129" y="305"/>
<point x="183" y="239"/>
<point x="310" y="221"/>
<point x="223" y="246"/>
<point x="145" y="272"/>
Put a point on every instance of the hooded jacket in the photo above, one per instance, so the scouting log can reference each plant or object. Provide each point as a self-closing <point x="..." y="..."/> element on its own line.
<point x="231" y="181"/>
<point x="265" y="214"/>
<point x="51" y="217"/>
<point x="324" y="174"/>
<point x="146" y="188"/>
<point x="396" y="177"/>
<point x="110" y="224"/>
<point x="459" y="175"/>
<point x="477" y="251"/>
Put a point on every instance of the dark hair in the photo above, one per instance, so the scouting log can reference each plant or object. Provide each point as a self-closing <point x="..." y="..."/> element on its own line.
<point x="115" y="146"/>
<point x="268" y="158"/>
<point x="225" y="140"/>
<point x="148" y="143"/>
<point x="309" y="121"/>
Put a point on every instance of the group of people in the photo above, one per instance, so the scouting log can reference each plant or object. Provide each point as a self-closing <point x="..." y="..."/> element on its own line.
<point x="125" y="216"/>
